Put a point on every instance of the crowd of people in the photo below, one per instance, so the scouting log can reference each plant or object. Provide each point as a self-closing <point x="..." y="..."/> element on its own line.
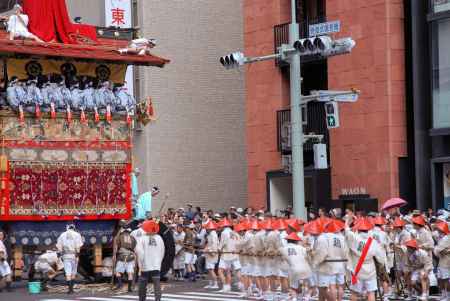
<point x="270" y="257"/>
<point x="284" y="258"/>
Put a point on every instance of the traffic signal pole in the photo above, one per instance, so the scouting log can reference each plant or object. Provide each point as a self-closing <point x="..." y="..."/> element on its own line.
<point x="316" y="47"/>
<point x="298" y="177"/>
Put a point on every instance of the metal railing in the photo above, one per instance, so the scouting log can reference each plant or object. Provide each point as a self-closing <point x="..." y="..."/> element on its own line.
<point x="316" y="124"/>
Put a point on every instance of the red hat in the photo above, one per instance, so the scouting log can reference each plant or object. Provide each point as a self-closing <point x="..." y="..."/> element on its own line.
<point x="398" y="223"/>
<point x="419" y="220"/>
<point x="150" y="226"/>
<point x="225" y="223"/>
<point x="379" y="221"/>
<point x="314" y="227"/>
<point x="443" y="227"/>
<point x="293" y="236"/>
<point x="363" y="224"/>
<point x="411" y="243"/>
<point x="335" y="226"/>
<point x="254" y="225"/>
<point x="210" y="226"/>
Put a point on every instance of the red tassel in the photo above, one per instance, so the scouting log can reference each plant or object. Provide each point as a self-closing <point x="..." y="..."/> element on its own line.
<point x="108" y="114"/>
<point x="129" y="120"/>
<point x="52" y="111"/>
<point x="38" y="111"/>
<point x="21" y="115"/>
<point x="83" y="119"/>
<point x="69" y="115"/>
<point x="96" y="116"/>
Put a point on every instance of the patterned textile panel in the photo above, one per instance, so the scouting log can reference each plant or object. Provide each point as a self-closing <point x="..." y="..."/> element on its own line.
<point x="41" y="191"/>
<point x="38" y="233"/>
<point x="58" y="130"/>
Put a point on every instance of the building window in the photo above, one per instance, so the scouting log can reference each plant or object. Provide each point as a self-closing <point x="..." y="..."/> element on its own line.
<point x="440" y="5"/>
<point x="441" y="73"/>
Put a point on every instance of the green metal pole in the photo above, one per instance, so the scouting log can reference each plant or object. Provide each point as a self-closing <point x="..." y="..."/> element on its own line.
<point x="298" y="181"/>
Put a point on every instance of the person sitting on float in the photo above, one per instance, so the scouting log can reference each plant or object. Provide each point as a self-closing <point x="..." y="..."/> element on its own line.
<point x="18" y="26"/>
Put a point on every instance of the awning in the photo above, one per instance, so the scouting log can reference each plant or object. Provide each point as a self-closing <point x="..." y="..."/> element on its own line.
<point x="87" y="53"/>
<point x="47" y="233"/>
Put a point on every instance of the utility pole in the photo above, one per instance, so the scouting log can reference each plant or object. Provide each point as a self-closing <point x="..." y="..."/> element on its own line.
<point x="316" y="47"/>
<point x="298" y="174"/>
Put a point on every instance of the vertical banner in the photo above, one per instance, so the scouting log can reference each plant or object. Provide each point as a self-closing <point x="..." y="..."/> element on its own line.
<point x="118" y="14"/>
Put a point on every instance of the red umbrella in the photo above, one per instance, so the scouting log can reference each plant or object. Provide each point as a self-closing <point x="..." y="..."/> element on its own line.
<point x="394" y="202"/>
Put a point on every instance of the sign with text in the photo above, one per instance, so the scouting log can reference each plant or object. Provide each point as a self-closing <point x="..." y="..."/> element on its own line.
<point x="118" y="14"/>
<point x="324" y="28"/>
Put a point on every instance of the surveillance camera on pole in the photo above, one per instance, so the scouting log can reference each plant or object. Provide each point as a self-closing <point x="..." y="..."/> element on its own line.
<point x="233" y="60"/>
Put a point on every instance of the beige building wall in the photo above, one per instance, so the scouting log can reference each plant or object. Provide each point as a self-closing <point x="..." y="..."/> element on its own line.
<point x="196" y="150"/>
<point x="92" y="11"/>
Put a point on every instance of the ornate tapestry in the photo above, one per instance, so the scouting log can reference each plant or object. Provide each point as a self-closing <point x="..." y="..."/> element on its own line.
<point x="63" y="190"/>
<point x="58" y="129"/>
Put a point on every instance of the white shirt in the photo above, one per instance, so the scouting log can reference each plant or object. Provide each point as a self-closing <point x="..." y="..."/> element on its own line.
<point x="297" y="259"/>
<point x="69" y="244"/>
<point x="150" y="252"/>
<point x="14" y="24"/>
<point x="227" y="244"/>
<point x="3" y="249"/>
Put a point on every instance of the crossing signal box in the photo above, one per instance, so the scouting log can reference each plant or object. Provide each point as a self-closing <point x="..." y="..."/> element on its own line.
<point x="332" y="114"/>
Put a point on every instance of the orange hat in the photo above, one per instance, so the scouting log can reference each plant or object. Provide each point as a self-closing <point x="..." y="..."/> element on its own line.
<point x="293" y="236"/>
<point x="411" y="243"/>
<point x="254" y="225"/>
<point x="245" y="225"/>
<point x="314" y="227"/>
<point x="419" y="220"/>
<point x="225" y="223"/>
<point x="293" y="224"/>
<point x="398" y="223"/>
<point x="210" y="226"/>
<point x="238" y="227"/>
<point x="278" y="224"/>
<point x="379" y="221"/>
<point x="443" y="227"/>
<point x="324" y="221"/>
<point x="363" y="224"/>
<point x="334" y="226"/>
<point x="150" y="227"/>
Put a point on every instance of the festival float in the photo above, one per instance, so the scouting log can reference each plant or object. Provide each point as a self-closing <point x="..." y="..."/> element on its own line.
<point x="66" y="127"/>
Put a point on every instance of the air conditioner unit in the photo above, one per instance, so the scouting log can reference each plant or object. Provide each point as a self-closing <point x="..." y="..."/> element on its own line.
<point x="320" y="156"/>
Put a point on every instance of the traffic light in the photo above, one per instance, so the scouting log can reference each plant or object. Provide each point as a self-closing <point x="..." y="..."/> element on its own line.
<point x="233" y="60"/>
<point x="324" y="46"/>
<point x="332" y="114"/>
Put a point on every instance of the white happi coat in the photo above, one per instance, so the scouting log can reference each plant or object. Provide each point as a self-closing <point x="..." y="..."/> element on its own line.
<point x="228" y="244"/>
<point x="383" y="239"/>
<point x="212" y="247"/>
<point x="330" y="246"/>
<point x="356" y="243"/>
<point x="296" y="257"/>
<point x="69" y="244"/>
<point x="150" y="252"/>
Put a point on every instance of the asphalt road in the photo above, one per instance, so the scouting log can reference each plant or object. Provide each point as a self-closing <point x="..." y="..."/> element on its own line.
<point x="172" y="291"/>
